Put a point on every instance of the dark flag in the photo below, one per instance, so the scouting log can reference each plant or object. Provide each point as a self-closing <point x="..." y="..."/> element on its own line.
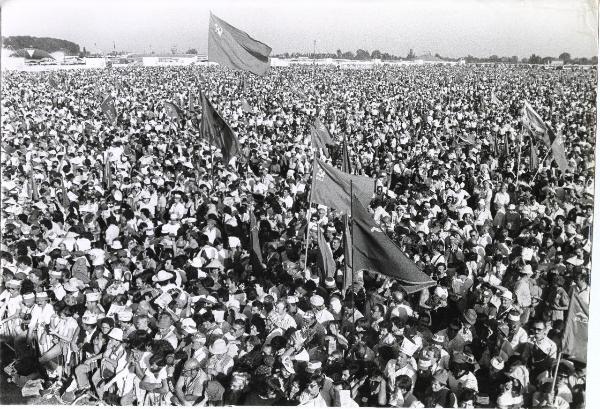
<point x="574" y="342"/>
<point x="325" y="257"/>
<point x="108" y="107"/>
<point x="506" y="145"/>
<point x="173" y="111"/>
<point x="235" y="49"/>
<point x="331" y="187"/>
<point x="217" y="132"/>
<point x="373" y="250"/>
<point x="254" y="237"/>
<point x="320" y="137"/>
<point x="346" y="164"/>
<point x="107" y="174"/>
<point x="533" y="160"/>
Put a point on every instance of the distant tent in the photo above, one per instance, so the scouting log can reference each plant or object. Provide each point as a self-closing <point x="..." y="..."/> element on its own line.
<point x="31" y="54"/>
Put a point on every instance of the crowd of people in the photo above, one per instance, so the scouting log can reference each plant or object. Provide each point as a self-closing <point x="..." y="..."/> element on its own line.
<point x="136" y="282"/>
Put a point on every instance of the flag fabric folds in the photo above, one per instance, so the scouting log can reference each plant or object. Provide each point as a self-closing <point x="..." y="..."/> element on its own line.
<point x="108" y="107"/>
<point x="495" y="99"/>
<point x="574" y="342"/>
<point x="346" y="164"/>
<point x="325" y="257"/>
<point x="348" y="275"/>
<point x="217" y="132"/>
<point x="233" y="48"/>
<point x="533" y="160"/>
<point x="373" y="250"/>
<point x="538" y="129"/>
<point x="53" y="83"/>
<point x="320" y="137"/>
<point x="246" y="107"/>
<point x="331" y="187"/>
<point x="173" y="111"/>
<point x="254" y="237"/>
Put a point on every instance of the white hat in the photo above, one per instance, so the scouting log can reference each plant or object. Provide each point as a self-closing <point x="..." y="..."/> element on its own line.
<point x="92" y="297"/>
<point x="41" y="295"/>
<point x="292" y="299"/>
<point x="89" y="318"/>
<point x="330" y="282"/>
<point x="507" y="294"/>
<point x="218" y="347"/>
<point x="514" y="316"/>
<point x="116" y="333"/>
<point x="214" y="263"/>
<point x="116" y="245"/>
<point x="317" y="301"/>
<point x="233" y="303"/>
<point x="162" y="275"/>
<point x="29" y="296"/>
<point x="313" y="366"/>
<point x="55" y="274"/>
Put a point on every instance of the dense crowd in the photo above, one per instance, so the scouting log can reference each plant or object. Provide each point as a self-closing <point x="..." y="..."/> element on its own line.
<point x="137" y="284"/>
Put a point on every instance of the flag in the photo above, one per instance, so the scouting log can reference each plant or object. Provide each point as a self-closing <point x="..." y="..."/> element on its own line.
<point x="173" y="111"/>
<point x="346" y="164"/>
<point x="235" y="49"/>
<point x="533" y="160"/>
<point x="246" y="106"/>
<point x="538" y="129"/>
<point x="325" y="256"/>
<point x="108" y="107"/>
<point x="320" y="136"/>
<point x="495" y="99"/>
<point x="331" y="187"/>
<point x="373" y="250"/>
<point x="107" y="174"/>
<point x="254" y="236"/>
<point x="217" y="132"/>
<point x="52" y="82"/>
<point x="558" y="150"/>
<point x="535" y="125"/>
<point x="574" y="342"/>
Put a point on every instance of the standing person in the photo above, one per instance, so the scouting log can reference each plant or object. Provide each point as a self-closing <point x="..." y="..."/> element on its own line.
<point x="539" y="351"/>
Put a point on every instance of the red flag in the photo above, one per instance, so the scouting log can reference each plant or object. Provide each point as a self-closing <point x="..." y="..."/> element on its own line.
<point x="254" y="236"/>
<point x="233" y="48"/>
<point x="331" y="187"/>
<point x="535" y="125"/>
<point x="320" y="137"/>
<point x="373" y="250"/>
<point x="574" y="342"/>
<point x="215" y="130"/>
<point x="326" y="261"/>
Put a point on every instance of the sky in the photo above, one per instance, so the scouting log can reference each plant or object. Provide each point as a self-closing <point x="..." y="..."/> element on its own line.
<point x="451" y="28"/>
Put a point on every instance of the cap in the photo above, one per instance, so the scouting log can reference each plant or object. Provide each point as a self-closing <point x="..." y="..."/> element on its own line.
<point x="497" y="363"/>
<point x="116" y="333"/>
<point x="317" y="301"/>
<point x="330" y="282"/>
<point x="92" y="297"/>
<point x="507" y="294"/>
<point x="89" y="318"/>
<point x="514" y="316"/>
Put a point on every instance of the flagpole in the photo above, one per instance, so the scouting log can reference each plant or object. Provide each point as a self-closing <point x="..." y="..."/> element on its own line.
<point x="555" y="376"/>
<point x="519" y="158"/>
<point x="352" y="266"/>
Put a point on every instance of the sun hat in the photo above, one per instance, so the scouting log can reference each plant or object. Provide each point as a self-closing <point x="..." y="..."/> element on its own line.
<point x="116" y="333"/>
<point x="218" y="347"/>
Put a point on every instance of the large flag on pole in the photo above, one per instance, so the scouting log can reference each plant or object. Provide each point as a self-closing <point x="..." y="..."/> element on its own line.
<point x="574" y="342"/>
<point x="217" y="132"/>
<point x="325" y="258"/>
<point x="320" y="136"/>
<point x="537" y="128"/>
<point x="373" y="250"/>
<point x="108" y="107"/>
<point x="331" y="187"/>
<point x="235" y="49"/>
